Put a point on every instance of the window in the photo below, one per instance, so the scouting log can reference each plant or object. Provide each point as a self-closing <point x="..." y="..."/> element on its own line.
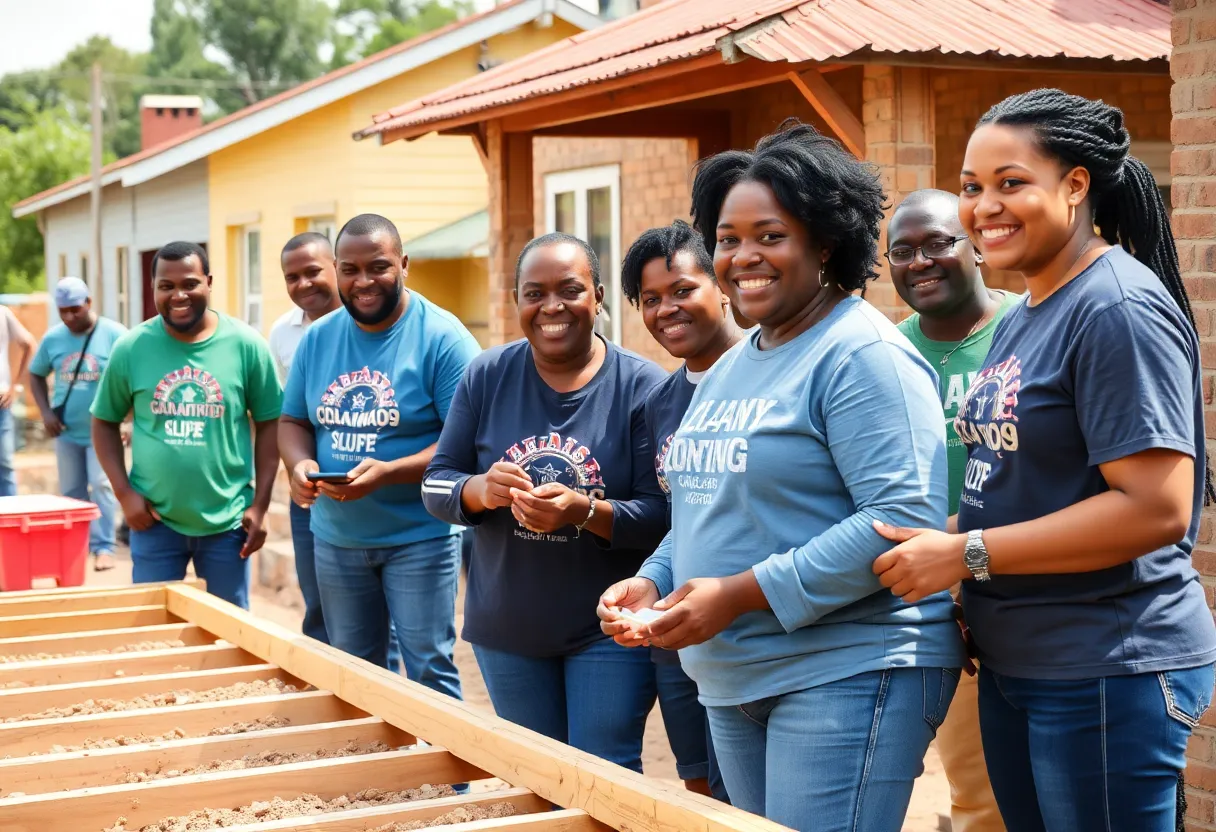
<point x="251" y="276"/>
<point x="324" y="225"/>
<point x="123" y="279"/>
<point x="587" y="204"/>
<point x="1157" y="156"/>
<point x="84" y="269"/>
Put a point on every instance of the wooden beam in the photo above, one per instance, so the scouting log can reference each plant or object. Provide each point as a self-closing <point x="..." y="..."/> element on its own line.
<point x="137" y="596"/>
<point x="566" y="776"/>
<point x="40" y="735"/>
<point x="832" y="108"/>
<point x="112" y="766"/>
<point x="96" y="668"/>
<point x="643" y="93"/>
<point x="79" y="622"/>
<point x="358" y="820"/>
<point x="19" y="701"/>
<point x="190" y="634"/>
<point x="17" y="596"/>
<point x="146" y="803"/>
<point x="643" y="124"/>
<point x="1009" y="63"/>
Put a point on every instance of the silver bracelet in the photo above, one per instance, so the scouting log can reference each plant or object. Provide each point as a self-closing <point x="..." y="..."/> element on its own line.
<point x="590" y="513"/>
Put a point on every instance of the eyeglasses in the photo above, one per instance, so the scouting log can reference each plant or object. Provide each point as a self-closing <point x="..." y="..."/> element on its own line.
<point x="904" y="255"/>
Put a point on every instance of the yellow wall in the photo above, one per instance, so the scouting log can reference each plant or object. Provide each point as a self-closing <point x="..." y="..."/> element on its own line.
<point x="419" y="185"/>
<point x="460" y="286"/>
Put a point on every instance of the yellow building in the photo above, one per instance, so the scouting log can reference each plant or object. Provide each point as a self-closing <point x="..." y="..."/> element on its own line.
<point x="288" y="164"/>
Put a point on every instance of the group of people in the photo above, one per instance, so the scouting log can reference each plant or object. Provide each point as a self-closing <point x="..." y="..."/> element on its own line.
<point x="766" y="540"/>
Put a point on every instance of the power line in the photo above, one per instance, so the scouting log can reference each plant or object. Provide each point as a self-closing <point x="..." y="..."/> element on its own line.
<point x="197" y="83"/>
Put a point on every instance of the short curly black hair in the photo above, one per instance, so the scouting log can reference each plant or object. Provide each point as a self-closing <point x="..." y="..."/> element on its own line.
<point x="836" y="196"/>
<point x="554" y="238"/>
<point x="664" y="242"/>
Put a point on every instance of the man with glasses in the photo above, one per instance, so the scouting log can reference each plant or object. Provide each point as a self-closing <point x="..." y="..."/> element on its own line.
<point x="936" y="271"/>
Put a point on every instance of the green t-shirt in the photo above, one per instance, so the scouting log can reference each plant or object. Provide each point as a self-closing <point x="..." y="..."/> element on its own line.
<point x="192" y="448"/>
<point x="954" y="378"/>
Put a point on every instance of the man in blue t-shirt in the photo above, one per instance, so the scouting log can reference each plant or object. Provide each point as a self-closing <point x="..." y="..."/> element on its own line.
<point x="76" y="352"/>
<point x="366" y="398"/>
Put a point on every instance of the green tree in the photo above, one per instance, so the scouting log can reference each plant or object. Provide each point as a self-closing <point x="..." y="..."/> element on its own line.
<point x="368" y="26"/>
<point x="120" y="93"/>
<point x="51" y="148"/>
<point x="177" y="54"/>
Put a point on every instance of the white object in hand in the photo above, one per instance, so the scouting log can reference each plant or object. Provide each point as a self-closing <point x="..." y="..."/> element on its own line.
<point x="641" y="617"/>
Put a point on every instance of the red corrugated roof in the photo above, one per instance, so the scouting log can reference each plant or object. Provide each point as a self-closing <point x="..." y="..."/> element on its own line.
<point x="796" y="31"/>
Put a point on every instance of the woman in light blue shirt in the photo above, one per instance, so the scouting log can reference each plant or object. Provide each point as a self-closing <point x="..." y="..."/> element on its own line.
<point x="823" y="690"/>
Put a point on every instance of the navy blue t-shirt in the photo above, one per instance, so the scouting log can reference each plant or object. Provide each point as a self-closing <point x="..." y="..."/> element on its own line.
<point x="535" y="594"/>
<point x="1106" y="367"/>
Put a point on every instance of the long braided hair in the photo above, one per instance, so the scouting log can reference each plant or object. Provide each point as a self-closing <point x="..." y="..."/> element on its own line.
<point x="1127" y="207"/>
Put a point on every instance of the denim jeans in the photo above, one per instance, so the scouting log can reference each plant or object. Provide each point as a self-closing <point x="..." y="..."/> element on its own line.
<point x="596" y="700"/>
<point x="839" y="756"/>
<point x="8" y="446"/>
<point x="1091" y="754"/>
<point x="81" y="478"/>
<point x="687" y="727"/>
<point x="161" y="554"/>
<point x="415" y="585"/>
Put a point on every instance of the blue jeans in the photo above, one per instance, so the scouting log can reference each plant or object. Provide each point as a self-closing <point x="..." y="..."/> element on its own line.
<point x="414" y="585"/>
<point x="81" y="478"/>
<point x="687" y="726"/>
<point x="839" y="756"/>
<point x="8" y="446"/>
<point x="1092" y="754"/>
<point x="596" y="700"/>
<point x="161" y="554"/>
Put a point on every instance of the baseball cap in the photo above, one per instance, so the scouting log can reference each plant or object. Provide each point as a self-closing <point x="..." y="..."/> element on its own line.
<point x="71" y="291"/>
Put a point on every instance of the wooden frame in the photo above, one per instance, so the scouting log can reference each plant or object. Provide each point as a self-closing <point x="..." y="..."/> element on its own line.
<point x="49" y="784"/>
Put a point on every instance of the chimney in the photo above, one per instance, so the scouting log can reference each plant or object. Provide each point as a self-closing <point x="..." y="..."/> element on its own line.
<point x="165" y="117"/>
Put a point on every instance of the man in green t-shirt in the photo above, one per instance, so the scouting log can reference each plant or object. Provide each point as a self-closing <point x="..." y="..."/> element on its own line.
<point x="194" y="380"/>
<point x="935" y="269"/>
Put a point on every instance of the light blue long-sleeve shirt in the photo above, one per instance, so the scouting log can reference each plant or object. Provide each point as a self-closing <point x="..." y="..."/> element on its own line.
<point x="781" y="464"/>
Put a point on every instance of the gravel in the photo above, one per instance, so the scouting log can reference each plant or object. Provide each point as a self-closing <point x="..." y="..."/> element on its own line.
<point x="138" y="647"/>
<point x="241" y="690"/>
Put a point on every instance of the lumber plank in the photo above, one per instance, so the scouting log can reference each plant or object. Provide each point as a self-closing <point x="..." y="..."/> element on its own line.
<point x="40" y="735"/>
<point x="565" y="776"/>
<point x="18" y="701"/>
<point x="534" y="813"/>
<point x="136" y="596"/>
<point x="190" y="634"/>
<point x="141" y="663"/>
<point x="57" y="623"/>
<point x="48" y="592"/>
<point x="111" y="766"/>
<point x="145" y="803"/>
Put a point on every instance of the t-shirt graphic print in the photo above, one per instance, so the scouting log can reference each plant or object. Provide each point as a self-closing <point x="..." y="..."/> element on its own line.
<point x="186" y="401"/>
<point x="354" y="409"/>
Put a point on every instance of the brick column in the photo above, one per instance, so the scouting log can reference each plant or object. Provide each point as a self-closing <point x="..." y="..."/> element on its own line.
<point x="897" y="110"/>
<point x="510" y="174"/>
<point x="1193" y="191"/>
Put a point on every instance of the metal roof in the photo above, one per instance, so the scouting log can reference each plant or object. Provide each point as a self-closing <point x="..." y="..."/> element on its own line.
<point x="466" y="237"/>
<point x="796" y="31"/>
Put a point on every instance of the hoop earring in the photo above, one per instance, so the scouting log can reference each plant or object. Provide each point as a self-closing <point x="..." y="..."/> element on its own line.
<point x="822" y="285"/>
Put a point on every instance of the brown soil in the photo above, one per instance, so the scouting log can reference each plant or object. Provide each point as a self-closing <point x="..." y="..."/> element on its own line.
<point x="122" y="740"/>
<point x="464" y="814"/>
<point x="138" y="647"/>
<point x="260" y="760"/>
<point x="278" y="808"/>
<point x="241" y="690"/>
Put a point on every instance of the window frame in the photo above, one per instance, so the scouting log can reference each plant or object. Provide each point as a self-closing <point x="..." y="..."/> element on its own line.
<point x="122" y="279"/>
<point x="327" y="225"/>
<point x="250" y="298"/>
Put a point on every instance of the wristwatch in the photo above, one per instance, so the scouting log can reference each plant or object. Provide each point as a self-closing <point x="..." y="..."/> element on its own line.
<point x="975" y="556"/>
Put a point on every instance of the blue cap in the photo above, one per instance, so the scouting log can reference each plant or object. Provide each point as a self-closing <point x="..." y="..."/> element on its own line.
<point x="71" y="291"/>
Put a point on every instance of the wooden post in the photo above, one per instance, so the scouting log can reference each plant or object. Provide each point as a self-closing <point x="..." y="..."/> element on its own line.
<point x="510" y="164"/>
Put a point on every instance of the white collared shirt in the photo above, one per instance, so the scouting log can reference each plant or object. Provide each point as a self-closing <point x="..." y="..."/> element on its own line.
<point x="285" y="338"/>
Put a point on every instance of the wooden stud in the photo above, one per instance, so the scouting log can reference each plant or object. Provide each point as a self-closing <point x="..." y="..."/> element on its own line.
<point x="643" y="124"/>
<point x="78" y="622"/>
<point x="65" y="591"/>
<point x="832" y="108"/>
<point x="39" y="735"/>
<point x="189" y="634"/>
<point x="143" y="663"/>
<point x="137" y="596"/>
<point x="18" y="701"/>
<point x="111" y="766"/>
<point x="534" y="814"/>
<point x="566" y="776"/>
<point x="145" y="803"/>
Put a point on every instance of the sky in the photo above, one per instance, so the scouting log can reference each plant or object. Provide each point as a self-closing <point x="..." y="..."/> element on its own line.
<point x="37" y="33"/>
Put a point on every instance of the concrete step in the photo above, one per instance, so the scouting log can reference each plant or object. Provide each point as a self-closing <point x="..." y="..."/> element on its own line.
<point x="275" y="567"/>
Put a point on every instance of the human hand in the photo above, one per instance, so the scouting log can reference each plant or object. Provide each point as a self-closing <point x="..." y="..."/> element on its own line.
<point x="52" y="424"/>
<point x="549" y="507"/>
<point x="7" y="398"/>
<point x="632" y="594"/>
<point x="925" y="562"/>
<point x="254" y="524"/>
<point x="137" y="511"/>
<point x="124" y="433"/>
<point x="304" y="490"/>
<point x="702" y="608"/>
<point x="365" y="478"/>
<point x="497" y="483"/>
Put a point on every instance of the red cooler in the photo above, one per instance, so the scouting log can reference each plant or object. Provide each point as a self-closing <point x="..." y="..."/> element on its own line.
<point x="43" y="536"/>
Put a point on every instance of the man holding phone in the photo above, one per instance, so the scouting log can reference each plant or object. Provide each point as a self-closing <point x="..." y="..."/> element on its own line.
<point x="366" y="398"/>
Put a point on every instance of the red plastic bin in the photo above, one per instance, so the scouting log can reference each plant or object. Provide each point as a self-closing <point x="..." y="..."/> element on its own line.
<point x="43" y="536"/>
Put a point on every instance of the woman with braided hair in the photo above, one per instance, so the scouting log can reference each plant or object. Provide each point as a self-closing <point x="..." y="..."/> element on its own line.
<point x="1085" y="480"/>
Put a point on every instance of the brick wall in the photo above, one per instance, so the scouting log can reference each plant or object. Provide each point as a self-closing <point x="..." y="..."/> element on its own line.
<point x="1193" y="130"/>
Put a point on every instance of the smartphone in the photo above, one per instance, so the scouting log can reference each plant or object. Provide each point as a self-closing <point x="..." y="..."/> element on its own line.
<point x="642" y="617"/>
<point x="320" y="476"/>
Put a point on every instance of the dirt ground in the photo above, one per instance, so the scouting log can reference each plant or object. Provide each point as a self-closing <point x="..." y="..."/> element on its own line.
<point x="928" y="812"/>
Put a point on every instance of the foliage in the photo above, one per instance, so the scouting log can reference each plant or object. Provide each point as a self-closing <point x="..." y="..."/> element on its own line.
<point x="370" y="26"/>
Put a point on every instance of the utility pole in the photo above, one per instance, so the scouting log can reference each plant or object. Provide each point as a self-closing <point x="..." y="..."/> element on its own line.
<point x="95" y="270"/>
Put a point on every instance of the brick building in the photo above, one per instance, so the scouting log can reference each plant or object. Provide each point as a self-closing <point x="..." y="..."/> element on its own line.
<point x="1193" y="131"/>
<point x="597" y="135"/>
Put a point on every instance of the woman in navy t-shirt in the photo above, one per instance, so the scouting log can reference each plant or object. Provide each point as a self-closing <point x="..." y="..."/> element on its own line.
<point x="544" y="452"/>
<point x="1085" y="480"/>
